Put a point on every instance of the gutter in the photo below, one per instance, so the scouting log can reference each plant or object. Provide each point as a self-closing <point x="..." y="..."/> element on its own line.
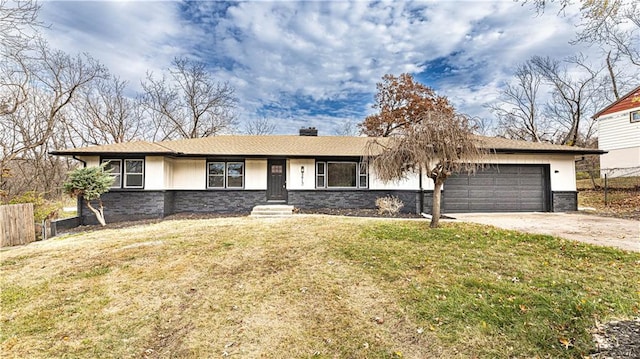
<point x="84" y="163"/>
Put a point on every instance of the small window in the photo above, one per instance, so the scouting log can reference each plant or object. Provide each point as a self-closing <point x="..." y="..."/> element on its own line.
<point x="127" y="173"/>
<point x="225" y="174"/>
<point x="216" y="174"/>
<point x="320" y="174"/>
<point x="115" y="168"/>
<point x="133" y="173"/>
<point x="635" y="116"/>
<point x="363" y="175"/>
<point x="235" y="175"/>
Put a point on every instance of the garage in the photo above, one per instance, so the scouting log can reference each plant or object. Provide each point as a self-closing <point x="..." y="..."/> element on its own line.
<point x="499" y="188"/>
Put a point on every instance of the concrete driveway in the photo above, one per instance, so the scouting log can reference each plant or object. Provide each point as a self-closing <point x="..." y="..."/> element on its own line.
<point x="604" y="231"/>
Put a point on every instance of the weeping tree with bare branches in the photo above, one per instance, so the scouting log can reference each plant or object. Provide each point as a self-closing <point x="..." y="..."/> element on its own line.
<point x="428" y="136"/>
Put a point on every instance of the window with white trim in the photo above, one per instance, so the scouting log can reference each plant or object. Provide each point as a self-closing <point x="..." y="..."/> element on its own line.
<point x="133" y="173"/>
<point x="221" y="174"/>
<point x="341" y="174"/>
<point x="634" y="116"/>
<point x="321" y="174"/>
<point x="115" y="168"/>
<point x="127" y="173"/>
<point x="363" y="175"/>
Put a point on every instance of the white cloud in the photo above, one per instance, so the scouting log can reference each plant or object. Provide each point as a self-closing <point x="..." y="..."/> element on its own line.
<point x="128" y="37"/>
<point x="285" y="57"/>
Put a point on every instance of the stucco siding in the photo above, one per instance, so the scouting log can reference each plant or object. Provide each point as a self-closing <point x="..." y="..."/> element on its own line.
<point x="91" y="161"/>
<point x="154" y="169"/>
<point x="411" y="181"/>
<point x="168" y="172"/>
<point x="295" y="178"/>
<point x="562" y="167"/>
<point x="616" y="131"/>
<point x="189" y="174"/>
<point x="255" y="174"/>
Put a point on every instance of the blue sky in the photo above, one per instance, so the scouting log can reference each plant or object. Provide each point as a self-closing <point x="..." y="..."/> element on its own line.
<point x="315" y="63"/>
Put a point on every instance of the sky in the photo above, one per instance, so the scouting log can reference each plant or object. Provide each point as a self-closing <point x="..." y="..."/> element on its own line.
<point x="316" y="63"/>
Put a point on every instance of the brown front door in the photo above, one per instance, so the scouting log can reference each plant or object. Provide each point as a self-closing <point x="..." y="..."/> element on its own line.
<point x="277" y="180"/>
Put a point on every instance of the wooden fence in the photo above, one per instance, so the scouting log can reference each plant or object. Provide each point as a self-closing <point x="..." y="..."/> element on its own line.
<point x="16" y="224"/>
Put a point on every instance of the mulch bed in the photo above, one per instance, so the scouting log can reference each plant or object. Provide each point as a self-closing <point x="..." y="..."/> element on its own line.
<point x="617" y="340"/>
<point x="355" y="213"/>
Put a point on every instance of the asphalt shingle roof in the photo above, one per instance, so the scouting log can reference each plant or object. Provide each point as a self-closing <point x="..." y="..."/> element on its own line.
<point x="290" y="145"/>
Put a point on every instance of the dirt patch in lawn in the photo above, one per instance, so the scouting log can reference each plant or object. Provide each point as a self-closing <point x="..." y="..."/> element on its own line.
<point x="621" y="203"/>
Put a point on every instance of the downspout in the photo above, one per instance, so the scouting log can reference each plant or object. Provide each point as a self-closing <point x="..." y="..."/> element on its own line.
<point x="421" y="199"/>
<point x="78" y="200"/>
<point x="84" y="163"/>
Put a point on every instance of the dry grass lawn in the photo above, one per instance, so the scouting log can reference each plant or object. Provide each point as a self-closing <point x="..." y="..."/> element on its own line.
<point x="623" y="197"/>
<point x="315" y="286"/>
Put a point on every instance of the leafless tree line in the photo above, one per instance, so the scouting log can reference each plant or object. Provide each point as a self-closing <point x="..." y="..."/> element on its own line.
<point x="553" y="100"/>
<point x="50" y="99"/>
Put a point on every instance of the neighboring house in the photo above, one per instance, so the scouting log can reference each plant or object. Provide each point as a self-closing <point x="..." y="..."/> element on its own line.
<point x="619" y="135"/>
<point x="235" y="173"/>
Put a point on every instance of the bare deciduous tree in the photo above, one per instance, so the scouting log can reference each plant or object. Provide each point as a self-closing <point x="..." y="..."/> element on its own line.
<point x="574" y="91"/>
<point x="428" y="136"/>
<point x="259" y="126"/>
<point x="18" y="22"/>
<point x="615" y="23"/>
<point x="519" y="111"/>
<point x="348" y="128"/>
<point x="55" y="80"/>
<point x="104" y="114"/>
<point x="574" y="95"/>
<point x="189" y="102"/>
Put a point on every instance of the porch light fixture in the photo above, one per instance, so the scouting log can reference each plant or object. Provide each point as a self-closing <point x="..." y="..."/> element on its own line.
<point x="302" y="175"/>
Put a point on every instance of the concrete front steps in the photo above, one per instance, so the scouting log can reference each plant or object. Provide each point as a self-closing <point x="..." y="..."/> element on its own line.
<point x="272" y="211"/>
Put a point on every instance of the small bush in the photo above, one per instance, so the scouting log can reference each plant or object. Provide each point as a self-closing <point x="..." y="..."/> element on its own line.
<point x="42" y="209"/>
<point x="389" y="205"/>
<point x="580" y="175"/>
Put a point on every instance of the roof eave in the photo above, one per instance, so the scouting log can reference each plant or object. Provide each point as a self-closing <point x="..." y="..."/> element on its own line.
<point x="526" y="150"/>
<point x="599" y="113"/>
<point x="102" y="153"/>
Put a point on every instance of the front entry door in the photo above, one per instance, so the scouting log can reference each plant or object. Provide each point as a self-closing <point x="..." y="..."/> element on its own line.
<point x="277" y="180"/>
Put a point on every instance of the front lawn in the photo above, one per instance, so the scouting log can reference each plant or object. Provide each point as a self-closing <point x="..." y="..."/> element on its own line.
<point x="315" y="286"/>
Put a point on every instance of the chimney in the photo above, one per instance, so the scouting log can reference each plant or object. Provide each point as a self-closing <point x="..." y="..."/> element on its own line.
<point x="308" y="131"/>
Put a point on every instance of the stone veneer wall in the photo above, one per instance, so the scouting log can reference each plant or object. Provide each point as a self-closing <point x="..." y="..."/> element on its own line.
<point x="227" y="201"/>
<point x="565" y="201"/>
<point x="120" y="206"/>
<point x="312" y="199"/>
<point x="135" y="205"/>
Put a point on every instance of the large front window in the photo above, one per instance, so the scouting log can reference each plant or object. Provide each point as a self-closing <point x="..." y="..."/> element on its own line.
<point x="225" y="174"/>
<point x="127" y="173"/>
<point x="341" y="174"/>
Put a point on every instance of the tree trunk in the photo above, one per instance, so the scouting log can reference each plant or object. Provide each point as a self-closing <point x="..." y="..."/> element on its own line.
<point x="98" y="212"/>
<point x="612" y="76"/>
<point x="435" y="209"/>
